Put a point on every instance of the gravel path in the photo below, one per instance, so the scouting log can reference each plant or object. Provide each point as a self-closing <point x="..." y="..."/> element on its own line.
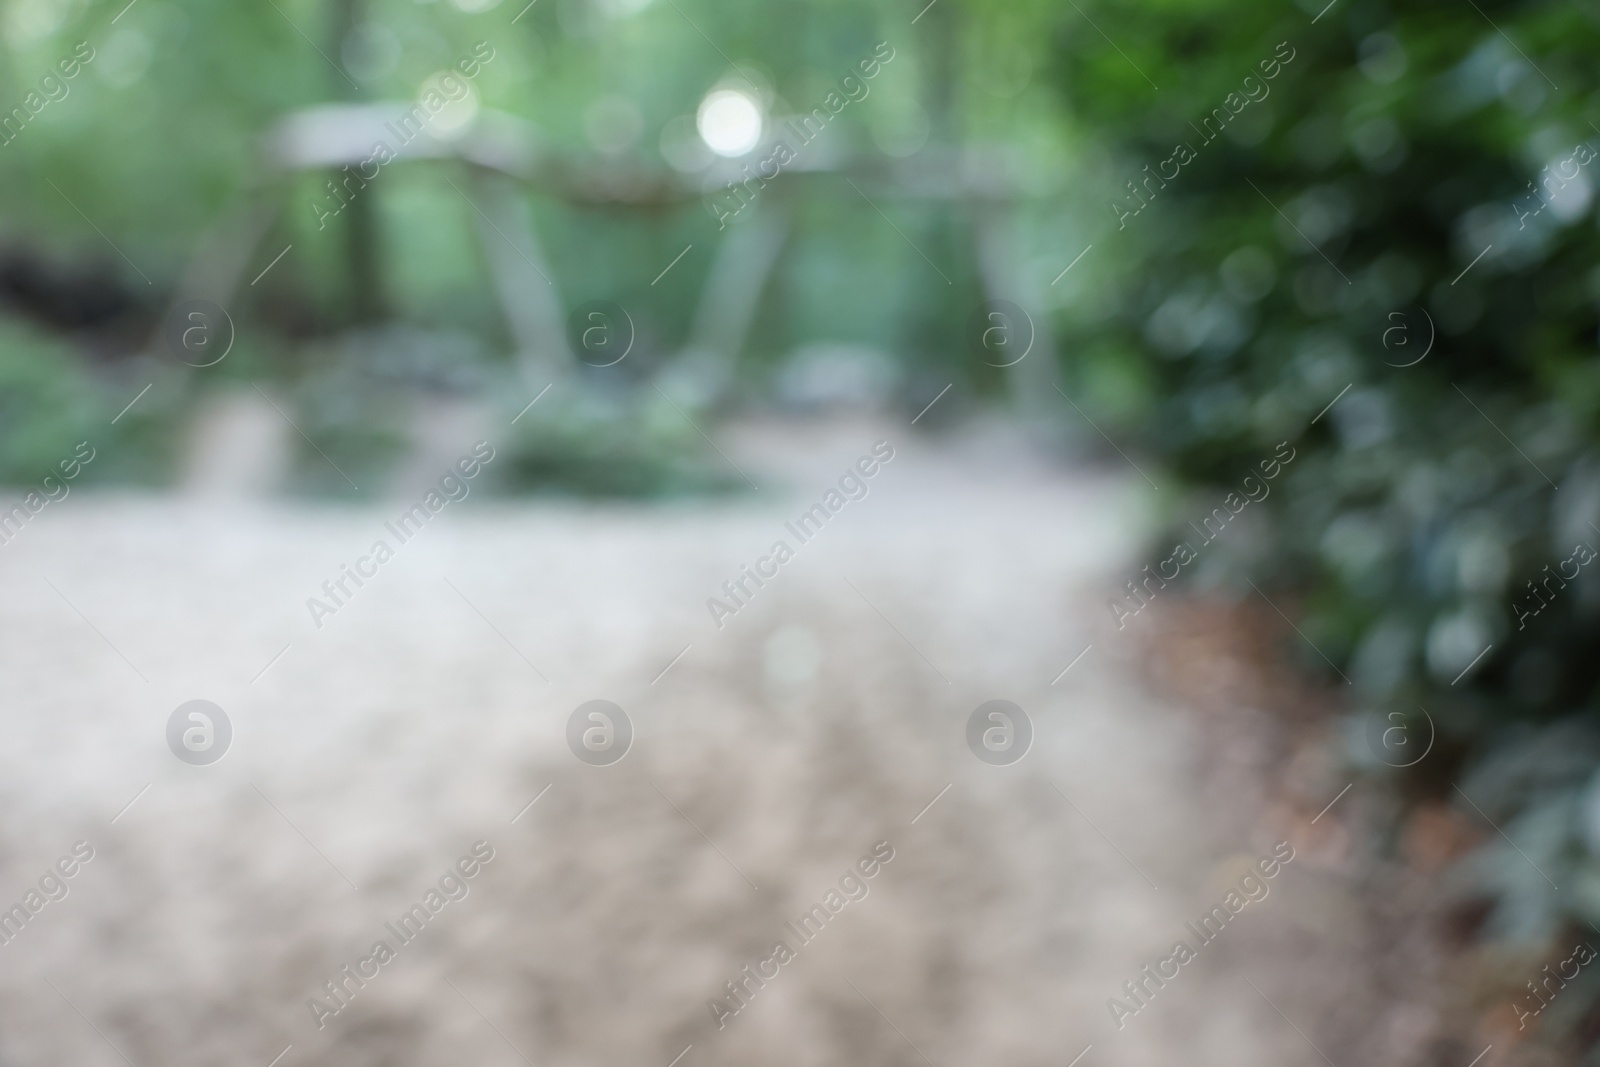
<point x="826" y="717"/>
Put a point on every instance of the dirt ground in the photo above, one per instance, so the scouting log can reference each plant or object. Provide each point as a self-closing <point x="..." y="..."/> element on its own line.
<point x="826" y="718"/>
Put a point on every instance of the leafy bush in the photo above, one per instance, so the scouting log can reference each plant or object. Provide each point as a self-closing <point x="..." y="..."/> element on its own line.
<point x="592" y="445"/>
<point x="1377" y="192"/>
<point x="44" y="404"/>
<point x="51" y="399"/>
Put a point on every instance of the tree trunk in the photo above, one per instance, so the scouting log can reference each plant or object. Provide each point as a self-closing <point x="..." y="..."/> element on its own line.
<point x="363" y="254"/>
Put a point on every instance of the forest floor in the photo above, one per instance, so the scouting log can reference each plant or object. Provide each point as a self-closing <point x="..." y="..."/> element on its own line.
<point x="825" y="720"/>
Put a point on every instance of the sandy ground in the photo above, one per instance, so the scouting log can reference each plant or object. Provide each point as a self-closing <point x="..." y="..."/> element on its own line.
<point x="821" y="720"/>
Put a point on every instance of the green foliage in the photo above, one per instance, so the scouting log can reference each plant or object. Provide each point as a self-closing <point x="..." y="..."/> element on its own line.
<point x="1317" y="244"/>
<point x="598" y="447"/>
<point x="45" y="404"/>
<point x="50" y="401"/>
<point x="350" y="403"/>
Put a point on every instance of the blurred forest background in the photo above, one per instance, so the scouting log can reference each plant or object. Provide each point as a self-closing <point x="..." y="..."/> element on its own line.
<point x="1398" y="222"/>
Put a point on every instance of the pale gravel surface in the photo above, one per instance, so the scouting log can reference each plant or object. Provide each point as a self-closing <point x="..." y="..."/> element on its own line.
<point x="406" y="728"/>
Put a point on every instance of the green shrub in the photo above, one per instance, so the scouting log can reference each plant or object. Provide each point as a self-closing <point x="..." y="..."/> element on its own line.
<point x="1269" y="274"/>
